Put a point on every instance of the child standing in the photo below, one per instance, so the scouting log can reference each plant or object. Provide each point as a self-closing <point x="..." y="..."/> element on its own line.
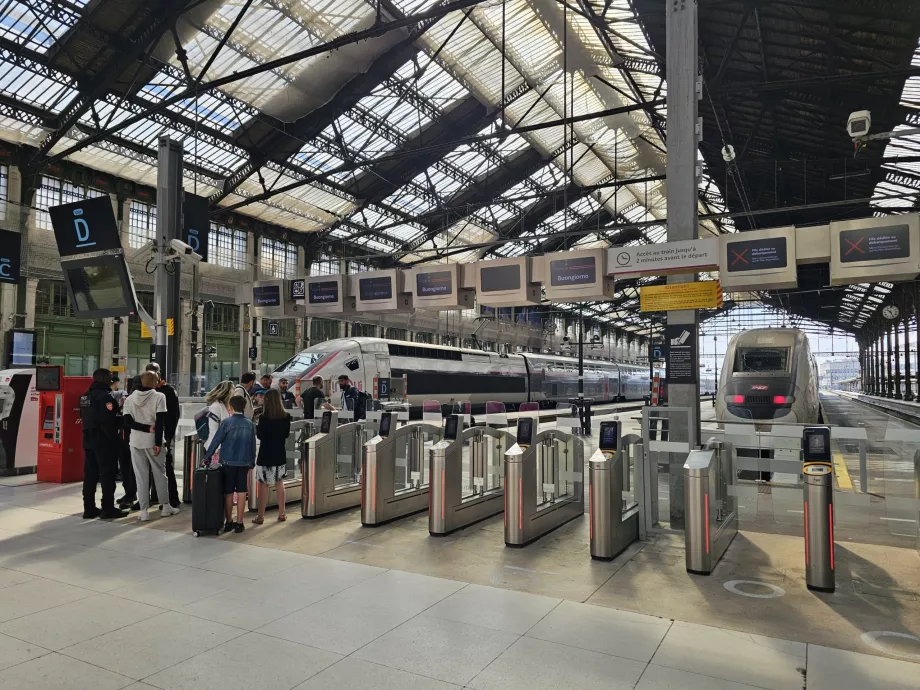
<point x="273" y="429"/>
<point x="236" y="438"/>
<point x="144" y="413"/>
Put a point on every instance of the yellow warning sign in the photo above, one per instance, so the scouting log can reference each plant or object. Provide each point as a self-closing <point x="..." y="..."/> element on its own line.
<point x="704" y="295"/>
<point x="170" y="329"/>
<point x="117" y="368"/>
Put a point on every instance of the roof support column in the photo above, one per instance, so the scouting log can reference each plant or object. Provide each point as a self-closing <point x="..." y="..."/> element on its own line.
<point x="896" y="330"/>
<point x="167" y="284"/>
<point x="889" y="379"/>
<point x="879" y="377"/>
<point x="683" y="144"/>
<point x="908" y="393"/>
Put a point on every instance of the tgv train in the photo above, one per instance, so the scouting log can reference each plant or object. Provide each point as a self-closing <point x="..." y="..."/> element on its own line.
<point x="434" y="372"/>
<point x="769" y="374"/>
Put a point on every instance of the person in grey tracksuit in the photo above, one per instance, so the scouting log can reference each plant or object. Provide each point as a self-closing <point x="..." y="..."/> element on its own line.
<point x="144" y="413"/>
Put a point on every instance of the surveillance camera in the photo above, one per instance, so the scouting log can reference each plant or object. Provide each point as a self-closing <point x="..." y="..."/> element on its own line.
<point x="859" y="124"/>
<point x="182" y="249"/>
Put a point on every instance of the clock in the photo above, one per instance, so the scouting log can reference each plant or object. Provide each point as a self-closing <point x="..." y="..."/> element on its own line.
<point x="890" y="311"/>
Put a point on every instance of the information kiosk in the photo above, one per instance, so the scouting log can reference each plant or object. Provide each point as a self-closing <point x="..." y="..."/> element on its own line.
<point x="60" y="434"/>
<point x="819" y="509"/>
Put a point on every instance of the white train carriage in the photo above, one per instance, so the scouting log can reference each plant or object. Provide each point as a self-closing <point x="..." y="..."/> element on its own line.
<point x="434" y="372"/>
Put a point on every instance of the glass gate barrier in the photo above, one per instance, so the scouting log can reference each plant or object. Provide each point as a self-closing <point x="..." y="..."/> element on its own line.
<point x="495" y="414"/>
<point x="395" y="479"/>
<point x="467" y="470"/>
<point x="331" y="462"/>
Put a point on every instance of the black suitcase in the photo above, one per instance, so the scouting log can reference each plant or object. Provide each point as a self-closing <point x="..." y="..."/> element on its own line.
<point x="207" y="500"/>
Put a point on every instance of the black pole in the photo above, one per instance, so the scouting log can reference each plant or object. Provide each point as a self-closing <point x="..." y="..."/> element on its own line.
<point x="581" y="352"/>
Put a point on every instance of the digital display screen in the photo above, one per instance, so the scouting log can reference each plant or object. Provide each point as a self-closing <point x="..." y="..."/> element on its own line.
<point x="609" y="440"/>
<point x="324" y="292"/>
<point x="371" y="289"/>
<point x="451" y="428"/>
<point x="23" y="350"/>
<point x="48" y="419"/>
<point x="573" y="271"/>
<point x="434" y="284"/>
<point x="386" y="421"/>
<point x="98" y="287"/>
<point x="48" y="379"/>
<point x="266" y="296"/>
<point x="757" y="255"/>
<point x="525" y="431"/>
<point x="325" y="426"/>
<point x="500" y="278"/>
<point x="817" y="445"/>
<point x="875" y="244"/>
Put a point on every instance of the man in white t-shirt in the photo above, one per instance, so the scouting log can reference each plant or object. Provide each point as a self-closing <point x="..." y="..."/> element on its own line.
<point x="145" y="414"/>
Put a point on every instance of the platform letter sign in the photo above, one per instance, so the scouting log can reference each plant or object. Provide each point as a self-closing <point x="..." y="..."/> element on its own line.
<point x="298" y="289"/>
<point x="196" y="222"/>
<point x="85" y="227"/>
<point x="875" y="244"/>
<point x="10" y="248"/>
<point x="274" y="328"/>
<point x="682" y="363"/>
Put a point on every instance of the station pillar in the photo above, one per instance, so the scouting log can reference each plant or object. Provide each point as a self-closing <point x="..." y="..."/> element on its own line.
<point x="908" y="392"/>
<point x="897" y="359"/>
<point x="889" y="379"/>
<point x="870" y="368"/>
<point x="879" y="370"/>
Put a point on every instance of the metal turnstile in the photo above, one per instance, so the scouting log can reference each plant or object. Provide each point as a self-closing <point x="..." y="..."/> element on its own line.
<point x="711" y="511"/>
<point x="300" y="430"/>
<point x="466" y="478"/>
<point x="544" y="485"/>
<point x="394" y="477"/>
<point x="819" y="528"/>
<point x="612" y="498"/>
<point x="332" y="468"/>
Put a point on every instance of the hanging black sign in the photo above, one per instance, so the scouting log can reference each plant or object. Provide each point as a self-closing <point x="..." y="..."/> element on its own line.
<point x="85" y="226"/>
<point x="10" y="252"/>
<point x="196" y="220"/>
<point x="875" y="244"/>
<point x="756" y="255"/>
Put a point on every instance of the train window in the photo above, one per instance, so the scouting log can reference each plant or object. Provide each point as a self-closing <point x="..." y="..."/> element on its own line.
<point x="302" y="361"/>
<point x="761" y="359"/>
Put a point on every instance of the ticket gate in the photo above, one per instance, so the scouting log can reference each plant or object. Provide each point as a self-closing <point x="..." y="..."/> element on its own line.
<point x="394" y="476"/>
<point x="331" y="467"/>
<point x="300" y="430"/>
<point x="711" y="509"/>
<point x="466" y="471"/>
<point x="818" y="507"/>
<point x="544" y="483"/>
<point x="612" y="509"/>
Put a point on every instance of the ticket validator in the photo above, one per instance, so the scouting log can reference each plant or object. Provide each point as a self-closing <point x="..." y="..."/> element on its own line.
<point x="819" y="509"/>
<point x="60" y="432"/>
<point x="613" y="524"/>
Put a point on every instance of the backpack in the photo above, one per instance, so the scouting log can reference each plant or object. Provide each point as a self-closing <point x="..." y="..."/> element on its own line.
<point x="361" y="405"/>
<point x="202" y="427"/>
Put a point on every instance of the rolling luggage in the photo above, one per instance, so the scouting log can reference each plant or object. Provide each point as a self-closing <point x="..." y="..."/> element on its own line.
<point x="207" y="500"/>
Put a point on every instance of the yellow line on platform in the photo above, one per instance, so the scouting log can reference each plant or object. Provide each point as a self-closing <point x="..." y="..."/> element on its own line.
<point x="844" y="482"/>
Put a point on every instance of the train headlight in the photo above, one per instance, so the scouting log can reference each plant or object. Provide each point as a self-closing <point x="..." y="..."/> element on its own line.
<point x="783" y="399"/>
<point x="737" y="399"/>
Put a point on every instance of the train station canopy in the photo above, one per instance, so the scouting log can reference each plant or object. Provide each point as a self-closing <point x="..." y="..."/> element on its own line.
<point x="413" y="131"/>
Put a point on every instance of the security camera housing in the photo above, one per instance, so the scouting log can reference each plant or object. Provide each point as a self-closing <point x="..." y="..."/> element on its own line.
<point x="859" y="123"/>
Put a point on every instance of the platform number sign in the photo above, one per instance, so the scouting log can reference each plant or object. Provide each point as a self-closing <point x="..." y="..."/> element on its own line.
<point x="274" y="328"/>
<point x="656" y="352"/>
<point x="383" y="389"/>
<point x="253" y="353"/>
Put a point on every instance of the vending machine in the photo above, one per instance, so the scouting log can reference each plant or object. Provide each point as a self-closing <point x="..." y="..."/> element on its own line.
<point x="18" y="422"/>
<point x="60" y="432"/>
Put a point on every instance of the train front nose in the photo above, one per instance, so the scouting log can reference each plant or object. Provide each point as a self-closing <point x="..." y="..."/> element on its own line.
<point x="761" y="399"/>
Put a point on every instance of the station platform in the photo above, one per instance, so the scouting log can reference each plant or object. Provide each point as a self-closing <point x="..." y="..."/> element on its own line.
<point x="327" y="603"/>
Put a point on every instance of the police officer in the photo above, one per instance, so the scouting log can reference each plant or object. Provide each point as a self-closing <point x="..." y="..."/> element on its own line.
<point x="100" y="447"/>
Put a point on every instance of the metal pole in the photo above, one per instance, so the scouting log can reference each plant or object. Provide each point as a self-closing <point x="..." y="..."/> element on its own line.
<point x="889" y="379"/>
<point x="684" y="90"/>
<point x="908" y="393"/>
<point x="166" y="283"/>
<point x="897" y="360"/>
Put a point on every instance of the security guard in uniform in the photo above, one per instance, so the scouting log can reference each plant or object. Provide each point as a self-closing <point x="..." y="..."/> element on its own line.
<point x="100" y="447"/>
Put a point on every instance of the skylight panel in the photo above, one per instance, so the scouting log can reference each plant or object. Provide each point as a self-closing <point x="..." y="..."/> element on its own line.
<point x="34" y="28"/>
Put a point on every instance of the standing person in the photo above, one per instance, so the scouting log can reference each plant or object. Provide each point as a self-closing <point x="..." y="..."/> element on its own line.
<point x="100" y="447"/>
<point x="145" y="414"/>
<point x="171" y="423"/>
<point x="244" y="389"/>
<point x="273" y="429"/>
<point x="128" y="482"/>
<point x="236" y="440"/>
<point x="313" y="395"/>
<point x="287" y="397"/>
<point x="218" y="400"/>
<point x="266" y="381"/>
<point x="351" y="396"/>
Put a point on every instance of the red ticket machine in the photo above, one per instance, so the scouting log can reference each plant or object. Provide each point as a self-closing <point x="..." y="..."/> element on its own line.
<point x="60" y="431"/>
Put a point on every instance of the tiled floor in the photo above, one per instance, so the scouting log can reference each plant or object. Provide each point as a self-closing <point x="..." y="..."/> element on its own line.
<point x="112" y="606"/>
